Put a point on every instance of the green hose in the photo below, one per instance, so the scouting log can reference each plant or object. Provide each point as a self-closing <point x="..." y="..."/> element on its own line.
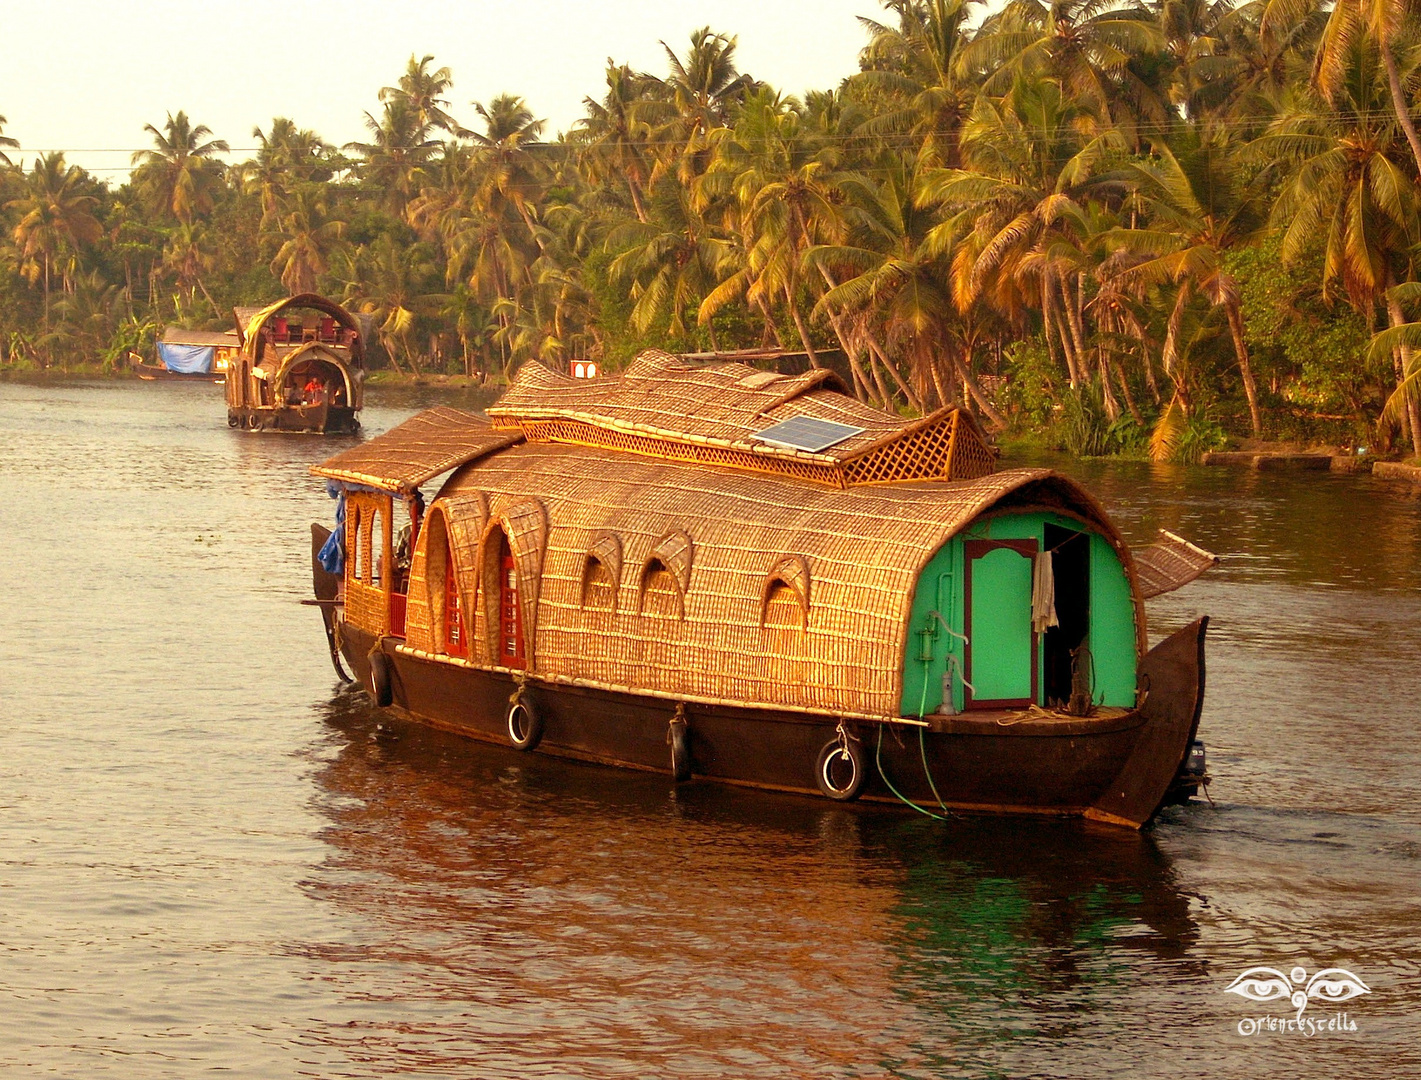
<point x="878" y="760"/>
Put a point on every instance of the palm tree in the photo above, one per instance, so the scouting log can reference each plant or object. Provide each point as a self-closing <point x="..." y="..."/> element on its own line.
<point x="894" y="283"/>
<point x="1385" y="23"/>
<point x="1018" y="210"/>
<point x="1199" y="210"/>
<point x="669" y="261"/>
<point x="289" y="155"/>
<point x="389" y="280"/>
<point x="915" y="68"/>
<point x="395" y="158"/>
<point x="783" y="183"/>
<point x="56" y="218"/>
<point x="702" y="88"/>
<point x="422" y="91"/>
<point x="504" y="171"/>
<point x="308" y="236"/>
<point x="188" y="256"/>
<point x="1349" y="186"/>
<point x="181" y="174"/>
<point x="1086" y="45"/>
<point x="6" y="141"/>
<point x="615" y="135"/>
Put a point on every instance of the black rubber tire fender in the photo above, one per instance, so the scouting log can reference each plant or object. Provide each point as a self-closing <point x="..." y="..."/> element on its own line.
<point x="839" y="770"/>
<point x="679" y="738"/>
<point x="233" y="420"/>
<point x="525" y="724"/>
<point x="380" y="686"/>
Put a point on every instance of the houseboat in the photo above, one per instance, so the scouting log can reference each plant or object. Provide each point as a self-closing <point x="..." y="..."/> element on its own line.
<point x="726" y="573"/>
<point x="301" y="367"/>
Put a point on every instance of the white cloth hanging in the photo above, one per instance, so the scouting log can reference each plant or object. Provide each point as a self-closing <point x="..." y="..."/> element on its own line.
<point x="1043" y="593"/>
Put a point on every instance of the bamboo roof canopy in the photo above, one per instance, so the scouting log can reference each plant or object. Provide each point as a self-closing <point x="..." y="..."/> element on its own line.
<point x="718" y="414"/>
<point x="421" y="448"/>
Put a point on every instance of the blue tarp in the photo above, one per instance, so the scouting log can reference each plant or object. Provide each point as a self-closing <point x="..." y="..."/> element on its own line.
<point x="186" y="359"/>
<point x="332" y="553"/>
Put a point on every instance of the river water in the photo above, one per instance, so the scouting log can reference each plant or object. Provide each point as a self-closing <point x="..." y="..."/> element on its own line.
<point x="211" y="861"/>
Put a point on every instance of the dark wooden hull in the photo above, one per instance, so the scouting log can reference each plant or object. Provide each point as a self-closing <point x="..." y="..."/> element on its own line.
<point x="321" y="419"/>
<point x="158" y="373"/>
<point x="1119" y="770"/>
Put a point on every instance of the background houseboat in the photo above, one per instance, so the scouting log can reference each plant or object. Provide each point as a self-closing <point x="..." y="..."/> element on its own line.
<point x="301" y="368"/>
<point x="731" y="573"/>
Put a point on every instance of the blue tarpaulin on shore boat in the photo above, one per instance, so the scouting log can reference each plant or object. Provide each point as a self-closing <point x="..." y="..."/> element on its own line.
<point x="186" y="359"/>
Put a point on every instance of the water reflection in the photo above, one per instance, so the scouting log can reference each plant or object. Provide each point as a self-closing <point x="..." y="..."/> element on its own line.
<point x="689" y="917"/>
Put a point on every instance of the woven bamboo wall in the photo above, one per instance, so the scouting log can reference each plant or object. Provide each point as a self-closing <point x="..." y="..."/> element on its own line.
<point x="367" y="605"/>
<point x="860" y="551"/>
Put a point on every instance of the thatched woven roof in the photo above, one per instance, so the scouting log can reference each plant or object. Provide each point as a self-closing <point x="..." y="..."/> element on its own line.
<point x="853" y="556"/>
<point x="250" y="327"/>
<point x="421" y="448"/>
<point x="1171" y="563"/>
<point x="664" y="407"/>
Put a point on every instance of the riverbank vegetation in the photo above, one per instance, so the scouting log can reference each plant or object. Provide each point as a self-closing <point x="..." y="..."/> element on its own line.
<point x="1119" y="228"/>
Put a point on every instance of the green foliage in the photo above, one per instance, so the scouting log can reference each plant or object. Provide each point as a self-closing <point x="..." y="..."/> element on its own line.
<point x="1032" y="391"/>
<point x="1171" y="193"/>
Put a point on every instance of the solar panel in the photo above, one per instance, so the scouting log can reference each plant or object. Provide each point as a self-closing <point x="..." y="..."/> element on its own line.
<point x="807" y="433"/>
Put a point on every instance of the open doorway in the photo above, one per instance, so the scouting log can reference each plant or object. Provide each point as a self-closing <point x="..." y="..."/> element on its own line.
<point x="1070" y="562"/>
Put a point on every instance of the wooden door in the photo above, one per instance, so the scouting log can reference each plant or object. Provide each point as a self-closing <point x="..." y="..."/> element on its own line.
<point x="510" y="615"/>
<point x="1001" y="646"/>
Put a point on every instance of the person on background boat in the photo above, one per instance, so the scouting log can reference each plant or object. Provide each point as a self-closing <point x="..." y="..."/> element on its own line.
<point x="314" y="391"/>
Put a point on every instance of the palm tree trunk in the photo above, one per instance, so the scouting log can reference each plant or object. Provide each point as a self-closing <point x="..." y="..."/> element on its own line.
<point x="799" y="325"/>
<point x="1071" y="338"/>
<point x="1250" y="388"/>
<point x="200" y="285"/>
<point x="861" y="385"/>
<point x="908" y="392"/>
<point x="1398" y="99"/>
<point x="771" y="327"/>
<point x="1112" y="407"/>
<point x="390" y="352"/>
<point x="964" y="369"/>
<point x="1125" y="388"/>
<point x="635" y="189"/>
<point x="884" y="394"/>
<point x="1402" y="360"/>
<point x="944" y="398"/>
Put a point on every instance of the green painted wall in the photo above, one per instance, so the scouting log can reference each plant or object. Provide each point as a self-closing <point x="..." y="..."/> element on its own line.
<point x="931" y="651"/>
<point x="1112" y="626"/>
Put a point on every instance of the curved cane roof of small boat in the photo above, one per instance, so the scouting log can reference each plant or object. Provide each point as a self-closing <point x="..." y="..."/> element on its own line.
<point x="250" y="321"/>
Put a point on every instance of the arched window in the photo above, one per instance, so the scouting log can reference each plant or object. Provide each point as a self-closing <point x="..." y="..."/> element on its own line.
<point x="355" y="543"/>
<point x="601" y="573"/>
<point x="666" y="577"/>
<point x="376" y="548"/>
<point x="784" y="599"/>
<point x="660" y="593"/>
<point x="599" y="587"/>
<point x="783" y="609"/>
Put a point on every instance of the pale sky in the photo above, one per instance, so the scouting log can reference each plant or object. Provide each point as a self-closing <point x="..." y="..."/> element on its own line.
<point x="84" y="77"/>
